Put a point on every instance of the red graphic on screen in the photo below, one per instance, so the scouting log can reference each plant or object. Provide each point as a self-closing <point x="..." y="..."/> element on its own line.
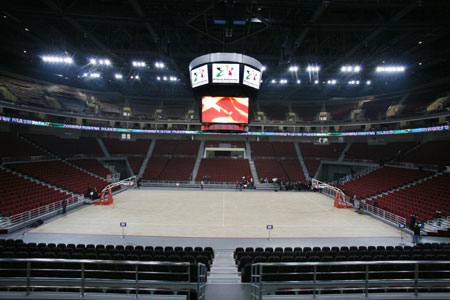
<point x="224" y="109"/>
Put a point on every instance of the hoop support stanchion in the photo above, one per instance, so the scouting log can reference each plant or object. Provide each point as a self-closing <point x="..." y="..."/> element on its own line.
<point x="340" y="200"/>
<point x="108" y="189"/>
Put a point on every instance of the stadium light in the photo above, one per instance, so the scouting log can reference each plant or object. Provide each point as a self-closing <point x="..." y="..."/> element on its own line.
<point x="332" y="82"/>
<point x="368" y="82"/>
<point x="353" y="82"/>
<point x="57" y="59"/>
<point x="118" y="76"/>
<point x="283" y="81"/>
<point x="299" y="81"/>
<point x="101" y="61"/>
<point x="158" y="78"/>
<point x="350" y="69"/>
<point x="164" y="78"/>
<point x="263" y="68"/>
<point x="138" y="64"/>
<point x="136" y="77"/>
<point x="273" y="81"/>
<point x="311" y="68"/>
<point x="94" y="75"/>
<point x="159" y="65"/>
<point x="390" y="69"/>
<point x="293" y="68"/>
<point x="316" y="81"/>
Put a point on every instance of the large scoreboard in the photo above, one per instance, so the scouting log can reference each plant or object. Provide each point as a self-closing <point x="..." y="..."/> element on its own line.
<point x="225" y="86"/>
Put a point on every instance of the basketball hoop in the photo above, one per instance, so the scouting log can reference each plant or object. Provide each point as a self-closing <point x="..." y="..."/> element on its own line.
<point x="106" y="197"/>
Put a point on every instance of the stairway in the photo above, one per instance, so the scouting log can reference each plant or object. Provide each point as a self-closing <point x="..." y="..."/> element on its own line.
<point x="105" y="151"/>
<point x="433" y="227"/>
<point x="224" y="280"/>
<point x="341" y="157"/>
<point x="248" y="152"/>
<point x="302" y="162"/>
<point x="201" y="151"/>
<point x="146" y="159"/>
<point x="224" y="270"/>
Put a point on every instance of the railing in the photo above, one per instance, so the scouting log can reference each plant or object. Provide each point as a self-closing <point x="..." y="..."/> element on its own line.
<point x="81" y="275"/>
<point x="36" y="213"/>
<point x="386" y="215"/>
<point x="363" y="277"/>
<point x="357" y="174"/>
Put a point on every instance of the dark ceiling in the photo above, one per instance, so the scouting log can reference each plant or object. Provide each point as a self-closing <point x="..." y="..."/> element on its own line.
<point x="279" y="33"/>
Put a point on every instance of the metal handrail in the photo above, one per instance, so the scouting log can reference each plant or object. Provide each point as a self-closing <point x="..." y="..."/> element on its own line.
<point x="384" y="214"/>
<point x="35" y="213"/>
<point x="259" y="286"/>
<point x="81" y="282"/>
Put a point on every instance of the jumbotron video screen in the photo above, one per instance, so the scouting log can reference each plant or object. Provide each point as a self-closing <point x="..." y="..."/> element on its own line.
<point x="225" y="110"/>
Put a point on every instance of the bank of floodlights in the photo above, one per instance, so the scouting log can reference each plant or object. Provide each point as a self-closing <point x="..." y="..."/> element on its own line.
<point x="350" y="69"/>
<point x="138" y="64"/>
<point x="100" y="61"/>
<point x="390" y="69"/>
<point x="159" y="65"/>
<point x="57" y="59"/>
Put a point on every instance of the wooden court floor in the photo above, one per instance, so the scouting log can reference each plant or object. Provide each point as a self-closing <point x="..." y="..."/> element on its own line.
<point x="228" y="214"/>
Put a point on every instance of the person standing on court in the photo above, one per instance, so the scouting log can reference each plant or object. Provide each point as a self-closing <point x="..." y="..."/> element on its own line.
<point x="201" y="185"/>
<point x="416" y="235"/>
<point x="64" y="206"/>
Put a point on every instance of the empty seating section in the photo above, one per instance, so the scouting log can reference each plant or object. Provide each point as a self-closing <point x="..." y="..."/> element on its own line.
<point x="17" y="147"/>
<point x="275" y="112"/>
<point x="430" y="153"/>
<point x="141" y="108"/>
<point x="26" y="91"/>
<point x="109" y="104"/>
<point x="69" y="98"/>
<point x="245" y="257"/>
<point x="376" y="108"/>
<point x="176" y="147"/>
<point x="18" y="194"/>
<point x="273" y="149"/>
<point x="164" y="147"/>
<point x="416" y="103"/>
<point x="178" y="169"/>
<point x="92" y="165"/>
<point x="175" y="110"/>
<point x="330" y="151"/>
<point x="376" y="153"/>
<point x="307" y="112"/>
<point x="422" y="199"/>
<point x="382" y="180"/>
<point x="262" y="149"/>
<point x="269" y="168"/>
<point x="341" y="111"/>
<point x="231" y="144"/>
<point x="172" y="160"/>
<point x="62" y="175"/>
<point x="119" y="147"/>
<point x="67" y="147"/>
<point x="135" y="163"/>
<point x="293" y="169"/>
<point x="277" y="160"/>
<point x="192" y="255"/>
<point x="312" y="165"/>
<point x="135" y="151"/>
<point x="155" y="167"/>
<point x="223" y="170"/>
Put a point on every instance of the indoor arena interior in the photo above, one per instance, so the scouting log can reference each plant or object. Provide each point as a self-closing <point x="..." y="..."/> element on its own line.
<point x="225" y="150"/>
